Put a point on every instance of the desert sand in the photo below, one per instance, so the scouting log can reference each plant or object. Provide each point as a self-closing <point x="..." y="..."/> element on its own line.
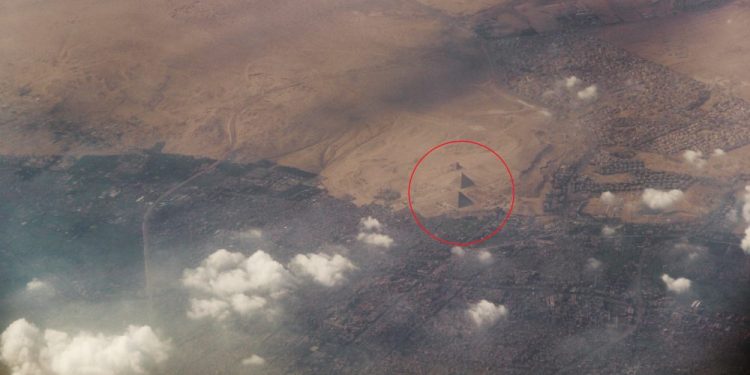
<point x="353" y="90"/>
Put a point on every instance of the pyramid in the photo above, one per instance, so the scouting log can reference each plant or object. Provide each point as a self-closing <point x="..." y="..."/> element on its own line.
<point x="466" y="182"/>
<point x="464" y="201"/>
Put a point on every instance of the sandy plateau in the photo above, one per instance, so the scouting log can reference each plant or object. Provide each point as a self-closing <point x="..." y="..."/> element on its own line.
<point x="356" y="91"/>
<point x="460" y="168"/>
<point x="515" y="130"/>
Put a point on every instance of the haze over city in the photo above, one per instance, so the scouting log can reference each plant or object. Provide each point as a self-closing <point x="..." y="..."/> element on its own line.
<point x="374" y="187"/>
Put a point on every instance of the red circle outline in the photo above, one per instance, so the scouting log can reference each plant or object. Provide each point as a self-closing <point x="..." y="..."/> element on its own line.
<point x="477" y="241"/>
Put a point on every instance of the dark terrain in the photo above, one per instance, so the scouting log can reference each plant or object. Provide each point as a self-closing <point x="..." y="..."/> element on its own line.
<point x="402" y="312"/>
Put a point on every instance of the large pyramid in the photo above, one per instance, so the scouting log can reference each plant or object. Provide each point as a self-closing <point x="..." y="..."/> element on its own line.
<point x="466" y="181"/>
<point x="464" y="201"/>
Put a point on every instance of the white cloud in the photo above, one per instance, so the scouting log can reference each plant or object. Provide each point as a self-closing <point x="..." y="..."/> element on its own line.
<point x="589" y="93"/>
<point x="458" y="251"/>
<point x="212" y="307"/>
<point x="745" y="244"/>
<point x="39" y="287"/>
<point x="21" y="344"/>
<point x="661" y="199"/>
<point x="608" y="198"/>
<point x="228" y="282"/>
<point x="746" y="205"/>
<point x="484" y="256"/>
<point x="252" y="234"/>
<point x="697" y="159"/>
<point x="376" y="239"/>
<point x="485" y="313"/>
<point x="593" y="263"/>
<point x="368" y="234"/>
<point x="679" y="285"/>
<point x="572" y="82"/>
<point x="371" y="224"/>
<point x="324" y="269"/>
<point x="253" y="360"/>
<point x="247" y="305"/>
<point x="29" y="351"/>
<point x="694" y="157"/>
<point x="692" y="252"/>
<point x="226" y="273"/>
<point x="255" y="233"/>
<point x="608" y="231"/>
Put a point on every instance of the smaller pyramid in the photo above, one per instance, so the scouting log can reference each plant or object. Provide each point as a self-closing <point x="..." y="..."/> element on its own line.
<point x="464" y="201"/>
<point x="466" y="182"/>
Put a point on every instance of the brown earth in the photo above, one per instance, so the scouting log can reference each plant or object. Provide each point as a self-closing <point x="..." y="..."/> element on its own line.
<point x="355" y="90"/>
